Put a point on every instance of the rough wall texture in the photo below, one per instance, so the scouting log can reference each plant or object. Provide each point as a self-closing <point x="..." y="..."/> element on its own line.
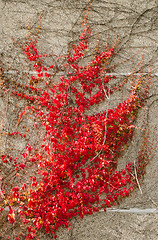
<point x="135" y="22"/>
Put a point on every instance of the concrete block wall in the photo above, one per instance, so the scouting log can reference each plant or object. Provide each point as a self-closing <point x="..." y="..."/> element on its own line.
<point x="135" y="23"/>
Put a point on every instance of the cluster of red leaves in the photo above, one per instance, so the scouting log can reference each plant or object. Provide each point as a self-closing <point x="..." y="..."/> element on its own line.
<point x="78" y="157"/>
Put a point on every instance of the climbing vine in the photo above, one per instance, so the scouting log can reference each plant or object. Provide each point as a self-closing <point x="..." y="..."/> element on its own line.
<point x="76" y="160"/>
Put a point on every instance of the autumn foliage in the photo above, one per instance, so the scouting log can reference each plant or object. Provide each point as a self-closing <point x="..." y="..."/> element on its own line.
<point x="77" y="159"/>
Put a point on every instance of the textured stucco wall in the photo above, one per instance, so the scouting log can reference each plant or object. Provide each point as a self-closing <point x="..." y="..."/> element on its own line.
<point x="135" y="22"/>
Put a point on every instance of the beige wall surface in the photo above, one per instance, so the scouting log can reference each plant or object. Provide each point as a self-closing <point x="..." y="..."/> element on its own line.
<point x="135" y="23"/>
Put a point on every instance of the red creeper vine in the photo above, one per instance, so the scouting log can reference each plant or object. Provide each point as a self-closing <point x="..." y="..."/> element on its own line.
<point x="77" y="159"/>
